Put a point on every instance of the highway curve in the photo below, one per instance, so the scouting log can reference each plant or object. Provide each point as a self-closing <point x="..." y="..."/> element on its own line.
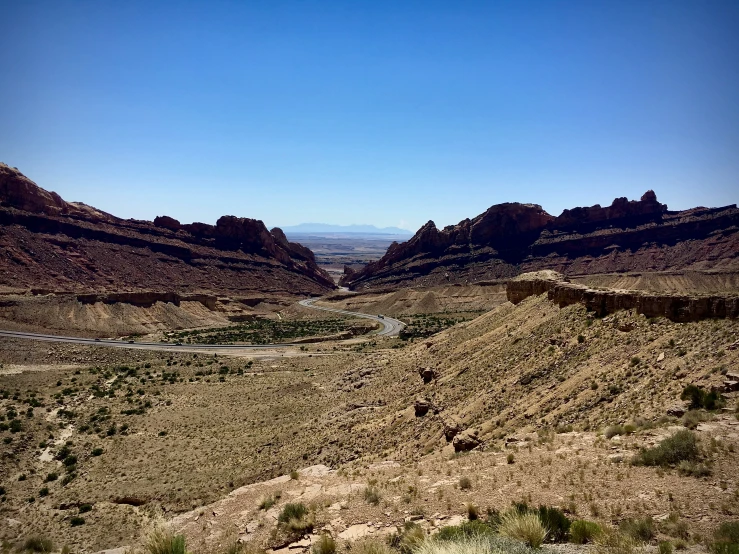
<point x="390" y="327"/>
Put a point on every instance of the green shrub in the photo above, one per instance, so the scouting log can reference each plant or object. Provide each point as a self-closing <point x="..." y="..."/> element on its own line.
<point x="672" y="450"/>
<point x="555" y="522"/>
<point x="699" y="398"/>
<point x="524" y="527"/>
<point x="553" y="519"/>
<point x="638" y="529"/>
<point x="664" y="547"/>
<point x="467" y="529"/>
<point x="583" y="531"/>
<point x="295" y="519"/>
<point x="726" y="538"/>
<point x="292" y="511"/>
<point x="97" y="451"/>
<point x="465" y="484"/>
<point x="76" y="521"/>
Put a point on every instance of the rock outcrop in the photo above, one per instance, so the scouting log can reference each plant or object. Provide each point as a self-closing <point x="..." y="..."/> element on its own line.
<point x="676" y="307"/>
<point x="509" y="239"/>
<point x="50" y="244"/>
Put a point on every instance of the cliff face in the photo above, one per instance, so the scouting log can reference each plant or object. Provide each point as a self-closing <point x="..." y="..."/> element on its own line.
<point x="676" y="307"/>
<point x="48" y="243"/>
<point x="509" y="239"/>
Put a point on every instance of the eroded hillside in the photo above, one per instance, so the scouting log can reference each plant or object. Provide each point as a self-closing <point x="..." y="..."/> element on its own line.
<point x="178" y="432"/>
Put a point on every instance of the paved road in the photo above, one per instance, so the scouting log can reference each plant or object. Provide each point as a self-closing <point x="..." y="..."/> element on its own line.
<point x="141" y="345"/>
<point x="390" y="327"/>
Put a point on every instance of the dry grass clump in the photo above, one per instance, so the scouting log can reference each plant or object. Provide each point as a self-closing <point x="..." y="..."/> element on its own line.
<point x="583" y="531"/>
<point x="324" y="545"/>
<point x="525" y="527"/>
<point x="370" y="546"/>
<point x="165" y="541"/>
<point x="408" y="537"/>
<point x="614" y="542"/>
<point x="38" y="544"/>
<point x="472" y="544"/>
<point x="295" y="519"/>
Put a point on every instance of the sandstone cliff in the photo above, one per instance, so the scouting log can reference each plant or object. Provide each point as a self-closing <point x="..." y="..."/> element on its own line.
<point x="676" y="307"/>
<point x="512" y="238"/>
<point x="48" y="243"/>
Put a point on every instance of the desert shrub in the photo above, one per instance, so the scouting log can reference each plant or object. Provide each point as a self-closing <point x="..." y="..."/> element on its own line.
<point x="372" y="496"/>
<point x="465" y="484"/>
<point x="295" y="520"/>
<point x="525" y="527"/>
<point x="97" y="451"/>
<point x="693" y="469"/>
<point x="38" y="544"/>
<point x="614" y="542"/>
<point x="555" y="522"/>
<point x="467" y="529"/>
<point x="407" y="538"/>
<point x="673" y="527"/>
<point x="268" y="502"/>
<point x="664" y="547"/>
<point x="726" y="538"/>
<point x="510" y="459"/>
<point x="164" y="541"/>
<point x="292" y="511"/>
<point x="76" y="521"/>
<point x="475" y="544"/>
<point x="639" y="529"/>
<point x="324" y="545"/>
<point x="583" y="531"/>
<point x="553" y="519"/>
<point x="692" y="418"/>
<point x="370" y="546"/>
<point x="53" y="476"/>
<point x="672" y="450"/>
<point x="699" y="398"/>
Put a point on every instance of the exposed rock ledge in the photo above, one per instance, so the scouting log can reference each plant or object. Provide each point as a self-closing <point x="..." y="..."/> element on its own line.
<point x="677" y="307"/>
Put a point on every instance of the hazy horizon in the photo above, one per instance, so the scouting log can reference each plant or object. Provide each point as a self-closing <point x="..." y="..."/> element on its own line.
<point x="393" y="114"/>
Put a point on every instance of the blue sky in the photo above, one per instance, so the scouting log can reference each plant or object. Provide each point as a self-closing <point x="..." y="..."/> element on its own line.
<point x="389" y="113"/>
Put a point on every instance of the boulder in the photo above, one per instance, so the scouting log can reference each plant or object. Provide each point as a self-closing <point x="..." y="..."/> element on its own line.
<point x="421" y="406"/>
<point x="731" y="385"/>
<point x="678" y="410"/>
<point x="465" y="441"/>
<point x="427" y="374"/>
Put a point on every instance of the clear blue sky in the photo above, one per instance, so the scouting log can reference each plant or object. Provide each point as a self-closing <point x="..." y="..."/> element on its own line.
<point x="381" y="112"/>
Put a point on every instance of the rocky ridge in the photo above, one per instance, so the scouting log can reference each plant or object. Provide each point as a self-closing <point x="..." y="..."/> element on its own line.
<point x="52" y="244"/>
<point x="676" y="307"/>
<point x="512" y="238"/>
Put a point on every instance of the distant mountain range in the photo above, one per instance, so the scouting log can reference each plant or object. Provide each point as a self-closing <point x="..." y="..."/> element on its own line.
<point x="327" y="228"/>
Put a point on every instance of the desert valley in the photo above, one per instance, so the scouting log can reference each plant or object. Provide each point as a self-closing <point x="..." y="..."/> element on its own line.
<point x="567" y="383"/>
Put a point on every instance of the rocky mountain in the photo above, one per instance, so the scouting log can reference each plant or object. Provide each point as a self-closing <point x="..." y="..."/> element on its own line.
<point x="49" y="244"/>
<point x="512" y="238"/>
